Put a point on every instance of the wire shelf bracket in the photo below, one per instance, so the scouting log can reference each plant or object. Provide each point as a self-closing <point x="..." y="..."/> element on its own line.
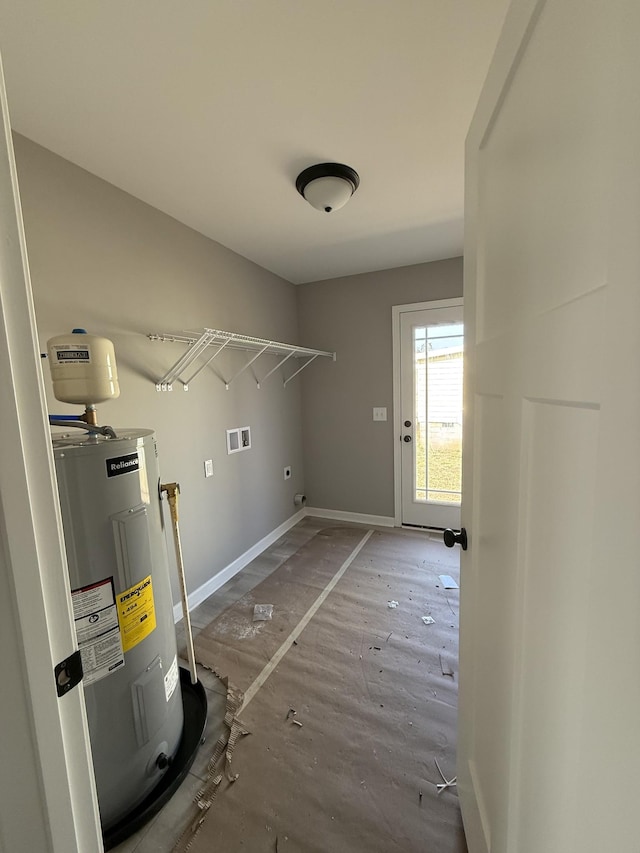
<point x="198" y="344"/>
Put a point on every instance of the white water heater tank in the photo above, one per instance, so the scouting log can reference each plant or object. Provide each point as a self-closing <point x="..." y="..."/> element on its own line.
<point x="123" y="611"/>
<point x="83" y="368"/>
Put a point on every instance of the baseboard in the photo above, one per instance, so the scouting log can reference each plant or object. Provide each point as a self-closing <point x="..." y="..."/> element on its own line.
<point x="356" y="517"/>
<point x="209" y="587"/>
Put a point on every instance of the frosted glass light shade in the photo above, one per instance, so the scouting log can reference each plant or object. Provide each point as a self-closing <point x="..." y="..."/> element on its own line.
<point x="328" y="194"/>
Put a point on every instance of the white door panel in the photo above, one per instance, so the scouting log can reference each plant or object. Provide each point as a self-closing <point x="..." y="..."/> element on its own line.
<point x="550" y="648"/>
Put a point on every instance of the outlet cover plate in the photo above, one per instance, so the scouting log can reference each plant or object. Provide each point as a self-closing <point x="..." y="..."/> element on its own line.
<point x="287" y="472"/>
<point x="380" y="413"/>
<point x="208" y="467"/>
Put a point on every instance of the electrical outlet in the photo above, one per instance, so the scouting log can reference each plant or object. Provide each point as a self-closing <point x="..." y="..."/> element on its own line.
<point x="380" y="413"/>
<point x="287" y="472"/>
<point x="208" y="467"/>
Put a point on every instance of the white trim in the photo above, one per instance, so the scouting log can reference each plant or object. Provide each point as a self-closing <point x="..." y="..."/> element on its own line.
<point x="396" y="312"/>
<point x="395" y="416"/>
<point x="455" y="301"/>
<point x="209" y="587"/>
<point x="355" y="517"/>
<point x="52" y="776"/>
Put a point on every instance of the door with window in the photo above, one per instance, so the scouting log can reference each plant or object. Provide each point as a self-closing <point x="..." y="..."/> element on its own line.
<point x="429" y="413"/>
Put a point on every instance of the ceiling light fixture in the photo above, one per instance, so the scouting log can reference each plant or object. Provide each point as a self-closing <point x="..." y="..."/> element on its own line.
<point x="327" y="186"/>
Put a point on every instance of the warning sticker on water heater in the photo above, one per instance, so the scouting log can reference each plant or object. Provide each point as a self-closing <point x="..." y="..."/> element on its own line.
<point x="97" y="630"/>
<point x="136" y="613"/>
<point x="171" y="679"/>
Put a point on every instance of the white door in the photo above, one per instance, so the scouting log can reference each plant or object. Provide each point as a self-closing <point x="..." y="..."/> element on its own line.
<point x="428" y="416"/>
<point x="47" y="792"/>
<point x="549" y="731"/>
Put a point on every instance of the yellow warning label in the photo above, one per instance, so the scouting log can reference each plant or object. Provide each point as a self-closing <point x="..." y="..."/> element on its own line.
<point x="136" y="613"/>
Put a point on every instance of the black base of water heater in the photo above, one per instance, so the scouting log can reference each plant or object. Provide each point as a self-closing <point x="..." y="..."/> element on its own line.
<point x="194" y="703"/>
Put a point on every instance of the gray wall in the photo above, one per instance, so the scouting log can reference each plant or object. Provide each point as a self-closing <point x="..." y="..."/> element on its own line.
<point x="105" y="261"/>
<point x="348" y="457"/>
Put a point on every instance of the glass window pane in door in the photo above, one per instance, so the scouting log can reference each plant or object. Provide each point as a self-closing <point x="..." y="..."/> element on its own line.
<point x="438" y="360"/>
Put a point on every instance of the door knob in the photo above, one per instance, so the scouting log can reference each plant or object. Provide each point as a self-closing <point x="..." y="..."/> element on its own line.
<point x="407" y="438"/>
<point x="455" y="537"/>
<point x="407" y="423"/>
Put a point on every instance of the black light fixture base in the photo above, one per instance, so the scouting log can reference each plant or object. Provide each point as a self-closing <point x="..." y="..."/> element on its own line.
<point x="194" y="703"/>
<point x="327" y="170"/>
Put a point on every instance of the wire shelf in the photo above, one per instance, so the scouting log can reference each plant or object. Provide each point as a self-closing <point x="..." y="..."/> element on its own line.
<point x="196" y="355"/>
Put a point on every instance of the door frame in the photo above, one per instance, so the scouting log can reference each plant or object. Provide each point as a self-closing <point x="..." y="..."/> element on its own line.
<point x="396" y="313"/>
<point x="48" y="735"/>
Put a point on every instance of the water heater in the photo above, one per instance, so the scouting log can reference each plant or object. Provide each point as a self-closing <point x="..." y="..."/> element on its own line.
<point x="122" y="606"/>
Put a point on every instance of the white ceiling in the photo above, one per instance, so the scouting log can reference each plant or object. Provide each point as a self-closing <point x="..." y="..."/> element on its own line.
<point x="208" y="109"/>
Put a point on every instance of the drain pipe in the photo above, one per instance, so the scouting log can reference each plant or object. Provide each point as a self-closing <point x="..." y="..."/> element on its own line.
<point x="173" y="490"/>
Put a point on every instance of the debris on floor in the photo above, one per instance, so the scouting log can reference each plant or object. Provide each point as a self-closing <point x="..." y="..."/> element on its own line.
<point x="428" y="620"/>
<point x="392" y="604"/>
<point x="445" y="668"/>
<point x="446" y="783"/>
<point x="262" y="612"/>
<point x="218" y="768"/>
<point x="448" y="582"/>
<point x="314" y="675"/>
